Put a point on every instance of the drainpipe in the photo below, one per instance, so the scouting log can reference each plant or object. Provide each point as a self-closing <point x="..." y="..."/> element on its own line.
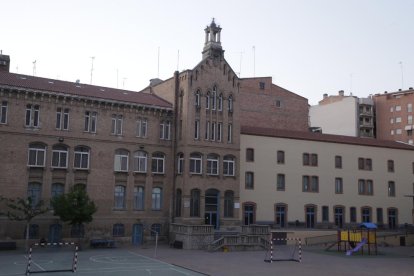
<point x="175" y="143"/>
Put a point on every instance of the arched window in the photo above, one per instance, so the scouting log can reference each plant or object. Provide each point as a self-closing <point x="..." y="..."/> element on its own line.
<point x="118" y="230"/>
<point x="178" y="200"/>
<point x="156" y="198"/>
<point x="195" y="203"/>
<point x="119" y="197"/>
<point x="180" y="163"/>
<point x="197" y="102"/>
<point x="157" y="165"/>
<point x="220" y="102"/>
<point x="140" y="161"/>
<point x="139" y="198"/>
<point x="57" y="189"/>
<point x="213" y="99"/>
<point x="228" y="204"/>
<point x="81" y="161"/>
<point x="230" y="104"/>
<point x="121" y="160"/>
<point x="228" y="165"/>
<point x="208" y="100"/>
<point x="196" y="163"/>
<point x="34" y="192"/>
<point x="59" y="156"/>
<point x="37" y="155"/>
<point x="212" y="164"/>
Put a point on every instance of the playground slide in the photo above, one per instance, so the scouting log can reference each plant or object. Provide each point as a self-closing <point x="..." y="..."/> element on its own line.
<point x="357" y="247"/>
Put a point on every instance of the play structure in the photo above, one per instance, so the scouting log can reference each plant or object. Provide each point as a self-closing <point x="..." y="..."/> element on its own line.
<point x="355" y="240"/>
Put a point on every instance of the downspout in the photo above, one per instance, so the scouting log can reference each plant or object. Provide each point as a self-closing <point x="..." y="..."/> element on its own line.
<point x="175" y="143"/>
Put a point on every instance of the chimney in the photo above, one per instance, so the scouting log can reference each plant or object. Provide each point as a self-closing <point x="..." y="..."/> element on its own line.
<point x="341" y="93"/>
<point x="4" y="62"/>
<point x="325" y="96"/>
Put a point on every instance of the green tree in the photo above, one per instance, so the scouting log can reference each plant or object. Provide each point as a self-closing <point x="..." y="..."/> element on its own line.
<point x="20" y="209"/>
<point x="75" y="207"/>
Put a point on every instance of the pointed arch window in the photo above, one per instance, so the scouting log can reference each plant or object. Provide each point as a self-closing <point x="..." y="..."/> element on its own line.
<point x="213" y="98"/>
<point x="197" y="102"/>
<point x="208" y="100"/>
<point x="220" y="102"/>
<point x="230" y="104"/>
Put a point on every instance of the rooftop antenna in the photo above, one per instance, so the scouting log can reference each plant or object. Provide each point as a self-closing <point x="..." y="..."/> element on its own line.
<point x="117" y="77"/>
<point x="254" y="61"/>
<point x="34" y="68"/>
<point x="92" y="59"/>
<point x="350" y="84"/>
<point x="178" y="60"/>
<point x="158" y="70"/>
<point x="123" y="82"/>
<point x="17" y="69"/>
<point x="241" y="57"/>
<point x="402" y="75"/>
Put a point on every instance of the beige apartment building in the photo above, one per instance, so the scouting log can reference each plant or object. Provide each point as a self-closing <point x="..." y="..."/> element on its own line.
<point x="394" y="115"/>
<point x="313" y="180"/>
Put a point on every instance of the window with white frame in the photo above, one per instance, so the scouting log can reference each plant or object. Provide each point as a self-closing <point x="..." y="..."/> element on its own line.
<point x="219" y="132"/>
<point x="180" y="163"/>
<point x="32" y="115"/>
<point x="196" y="163"/>
<point x="213" y="98"/>
<point x="37" y="155"/>
<point x="116" y="124"/>
<point x="121" y="160"/>
<point x="398" y="120"/>
<point x="212" y="164"/>
<point x="59" y="156"/>
<point x="398" y="108"/>
<point x="119" y="197"/>
<point x="410" y="119"/>
<point x="139" y="198"/>
<point x="90" y="121"/>
<point x="398" y="131"/>
<point x="409" y="107"/>
<point x="213" y="131"/>
<point x="391" y="188"/>
<point x="157" y="165"/>
<point x="140" y="161"/>
<point x="228" y="165"/>
<point x="81" y="161"/>
<point x="3" y="112"/>
<point x="230" y="104"/>
<point x="207" y="135"/>
<point x="156" y="198"/>
<point x="62" y="118"/>
<point x="208" y="100"/>
<point x="34" y="192"/>
<point x="142" y="125"/>
<point x="229" y="133"/>
<point x="220" y="102"/>
<point x="165" y="130"/>
<point x="197" y="129"/>
<point x="197" y="102"/>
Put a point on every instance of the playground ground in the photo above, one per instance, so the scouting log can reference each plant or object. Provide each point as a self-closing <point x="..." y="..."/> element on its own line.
<point x="168" y="261"/>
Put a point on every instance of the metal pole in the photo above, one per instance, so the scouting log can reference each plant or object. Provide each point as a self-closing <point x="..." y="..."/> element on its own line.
<point x="156" y="244"/>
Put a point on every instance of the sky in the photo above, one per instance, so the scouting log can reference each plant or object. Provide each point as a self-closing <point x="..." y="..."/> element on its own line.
<point x="310" y="47"/>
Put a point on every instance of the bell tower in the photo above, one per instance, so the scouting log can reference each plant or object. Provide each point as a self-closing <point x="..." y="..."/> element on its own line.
<point x="212" y="45"/>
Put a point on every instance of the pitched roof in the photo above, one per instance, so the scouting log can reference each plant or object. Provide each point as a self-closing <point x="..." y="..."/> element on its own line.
<point x="319" y="137"/>
<point x="80" y="89"/>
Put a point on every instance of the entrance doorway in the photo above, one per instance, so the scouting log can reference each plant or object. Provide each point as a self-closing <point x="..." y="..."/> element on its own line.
<point x="248" y="211"/>
<point x="310" y="216"/>
<point x="211" y="215"/>
<point x="137" y="234"/>
<point x="339" y="216"/>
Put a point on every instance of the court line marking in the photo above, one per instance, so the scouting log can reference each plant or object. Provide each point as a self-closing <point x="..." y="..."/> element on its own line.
<point x="33" y="262"/>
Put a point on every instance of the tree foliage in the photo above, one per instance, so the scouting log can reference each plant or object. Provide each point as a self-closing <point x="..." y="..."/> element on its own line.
<point x="74" y="207"/>
<point x="23" y="209"/>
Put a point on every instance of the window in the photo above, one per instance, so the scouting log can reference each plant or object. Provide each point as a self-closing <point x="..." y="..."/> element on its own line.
<point x="325" y="214"/>
<point x="229" y="133"/>
<point x="278" y="103"/>
<point x="249" y="155"/>
<point x="212" y="164"/>
<point x="338" y="162"/>
<point x="213" y="98"/>
<point x="228" y="204"/>
<point x="81" y="158"/>
<point x="390" y="165"/>
<point x="197" y="102"/>
<point x="249" y="213"/>
<point x="37" y="155"/>
<point x="3" y="112"/>
<point x="142" y="126"/>
<point x="398" y="108"/>
<point x="310" y="184"/>
<point x="281" y="215"/>
<point x="195" y="203"/>
<point x="34" y="192"/>
<point x="314" y="159"/>
<point x="339" y="216"/>
<point x="392" y="218"/>
<point x="32" y="115"/>
<point x="261" y="85"/>
<point x="280" y="185"/>
<point x="220" y="102"/>
<point x="180" y="163"/>
<point x="353" y="214"/>
<point x="280" y="157"/>
<point x="249" y="181"/>
<point x="365" y="187"/>
<point x="366" y="214"/>
<point x="62" y="118"/>
<point x="178" y="199"/>
<point x="398" y="120"/>
<point x="391" y="109"/>
<point x="208" y="100"/>
<point x="140" y="161"/>
<point x="155" y="229"/>
<point x="410" y="119"/>
<point x="90" y="121"/>
<point x="197" y="129"/>
<point x="195" y="163"/>
<point x="116" y="124"/>
<point x="310" y="216"/>
<point x="219" y="131"/>
<point x="365" y="164"/>
<point x="207" y="135"/>
<point x="306" y="159"/>
<point x="59" y="156"/>
<point x="57" y="190"/>
<point x="380" y="216"/>
<point x="338" y="185"/>
<point x="119" y="197"/>
<point x="139" y="198"/>
<point x="391" y="188"/>
<point x="156" y="199"/>
<point x="228" y="165"/>
<point x="158" y="160"/>
<point x="391" y="120"/>
<point x="213" y="131"/>
<point x="230" y="104"/>
<point x="121" y="160"/>
<point x="118" y="230"/>
<point x="165" y="130"/>
<point x="398" y="131"/>
<point x="409" y="107"/>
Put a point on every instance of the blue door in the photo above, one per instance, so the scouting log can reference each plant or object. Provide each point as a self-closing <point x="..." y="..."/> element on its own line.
<point x="137" y="234"/>
<point x="55" y="233"/>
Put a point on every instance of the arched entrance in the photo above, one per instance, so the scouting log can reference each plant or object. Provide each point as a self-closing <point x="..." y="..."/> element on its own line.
<point x="211" y="215"/>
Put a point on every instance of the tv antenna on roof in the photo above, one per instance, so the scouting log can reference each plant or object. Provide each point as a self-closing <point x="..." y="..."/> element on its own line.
<point x="34" y="68"/>
<point x="92" y="58"/>
<point x="402" y="75"/>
